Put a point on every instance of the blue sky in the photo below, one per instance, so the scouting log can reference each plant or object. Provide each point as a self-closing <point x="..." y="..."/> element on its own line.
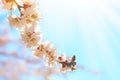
<point x="90" y="29"/>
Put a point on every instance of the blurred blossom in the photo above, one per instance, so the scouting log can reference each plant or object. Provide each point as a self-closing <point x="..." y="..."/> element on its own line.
<point x="31" y="36"/>
<point x="16" y="64"/>
<point x="9" y="4"/>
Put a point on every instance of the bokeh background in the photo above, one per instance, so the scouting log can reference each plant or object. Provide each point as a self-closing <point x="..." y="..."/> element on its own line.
<point x="90" y="29"/>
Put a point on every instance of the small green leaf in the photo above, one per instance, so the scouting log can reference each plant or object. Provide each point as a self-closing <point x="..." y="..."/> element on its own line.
<point x="73" y="69"/>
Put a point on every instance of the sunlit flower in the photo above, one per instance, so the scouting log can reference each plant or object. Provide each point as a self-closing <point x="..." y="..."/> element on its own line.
<point x="47" y="50"/>
<point x="9" y="4"/>
<point x="32" y="16"/>
<point x="16" y="22"/>
<point x="31" y="36"/>
<point x="13" y="20"/>
<point x="62" y="57"/>
<point x="31" y="12"/>
<point x="40" y="51"/>
<point x="68" y="64"/>
<point x="52" y="57"/>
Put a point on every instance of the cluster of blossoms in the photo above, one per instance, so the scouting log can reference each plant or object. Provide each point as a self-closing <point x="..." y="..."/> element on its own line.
<point x="48" y="51"/>
<point x="68" y="63"/>
<point x="28" y="24"/>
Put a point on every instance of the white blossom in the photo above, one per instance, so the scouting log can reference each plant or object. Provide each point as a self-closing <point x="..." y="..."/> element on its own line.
<point x="16" y="22"/>
<point x="40" y="51"/>
<point x="68" y="63"/>
<point x="31" y="36"/>
<point x="52" y="57"/>
<point x="47" y="50"/>
<point x="31" y="12"/>
<point x="9" y="4"/>
<point x="13" y="20"/>
<point x="62" y="57"/>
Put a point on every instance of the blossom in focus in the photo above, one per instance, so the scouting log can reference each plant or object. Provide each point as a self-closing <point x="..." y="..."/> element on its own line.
<point x="31" y="36"/>
<point x="21" y="23"/>
<point x="16" y="22"/>
<point x="40" y="51"/>
<point x="31" y="12"/>
<point x="47" y="50"/>
<point x="62" y="57"/>
<point x="52" y="57"/>
<point x="9" y="4"/>
<point x="68" y="63"/>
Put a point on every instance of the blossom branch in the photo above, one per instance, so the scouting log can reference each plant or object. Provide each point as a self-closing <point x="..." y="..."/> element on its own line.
<point x="28" y="24"/>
